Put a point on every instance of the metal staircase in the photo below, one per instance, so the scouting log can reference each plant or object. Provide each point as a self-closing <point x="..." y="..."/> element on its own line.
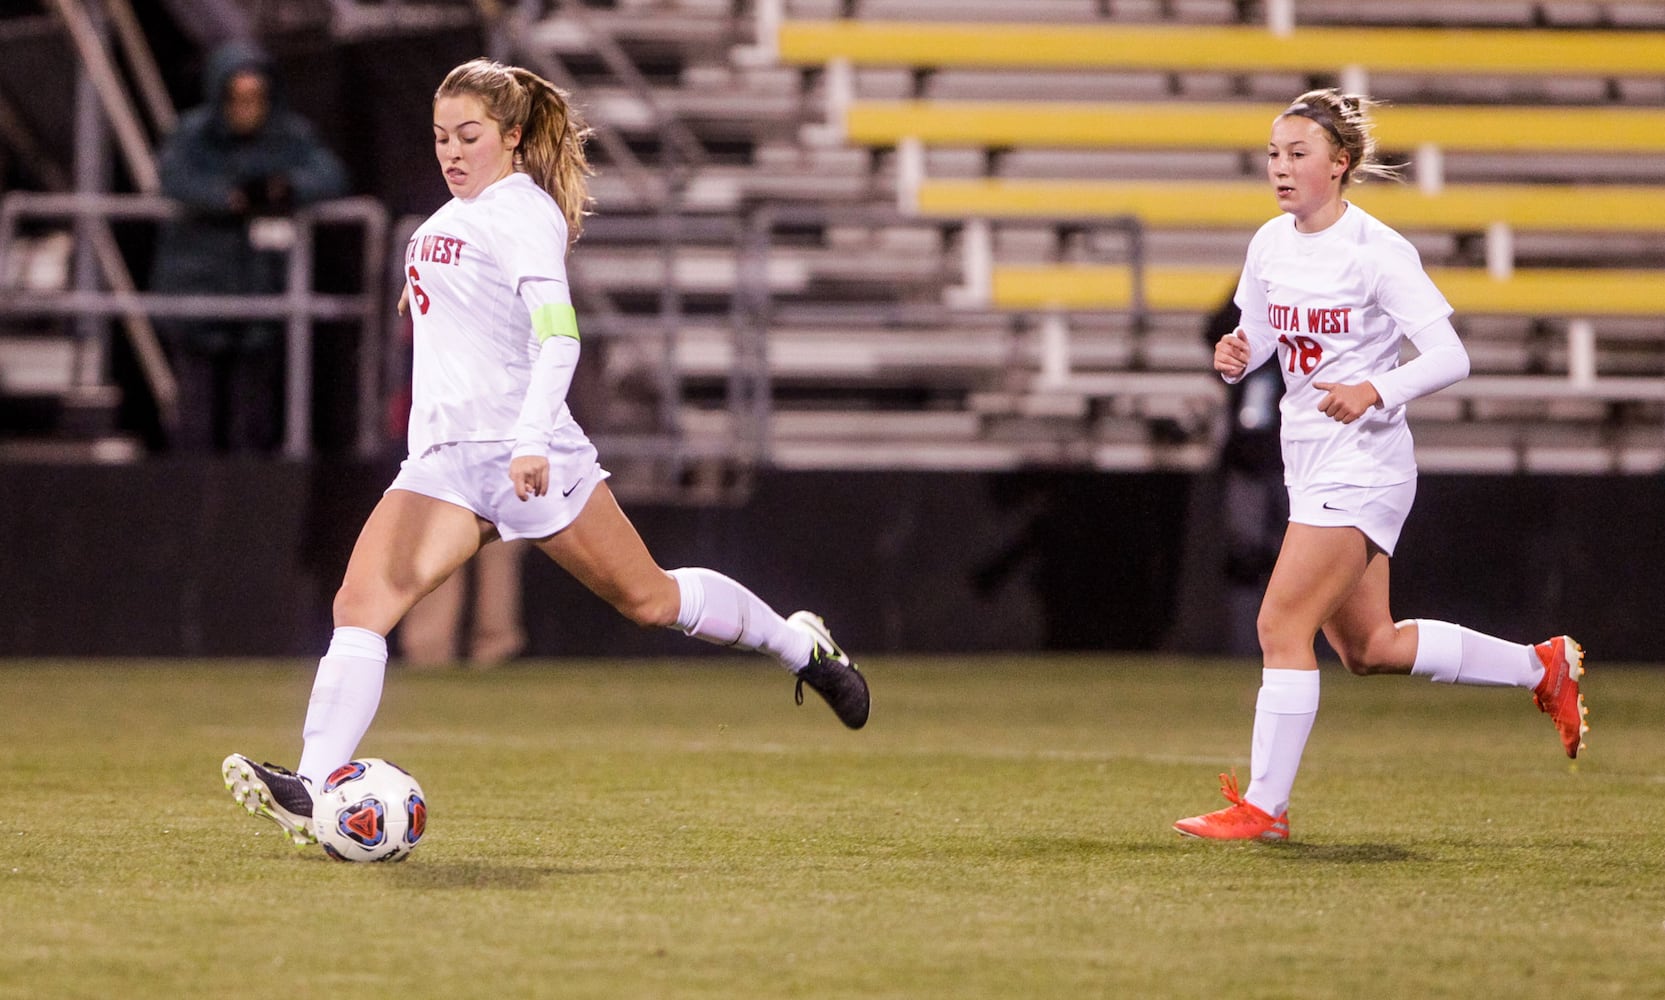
<point x="57" y="398"/>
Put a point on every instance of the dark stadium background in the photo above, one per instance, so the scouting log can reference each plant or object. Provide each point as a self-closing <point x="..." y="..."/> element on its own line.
<point x="237" y="557"/>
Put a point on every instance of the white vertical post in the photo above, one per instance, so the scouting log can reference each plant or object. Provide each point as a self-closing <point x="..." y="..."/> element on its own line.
<point x="1280" y="17"/>
<point x="1500" y="251"/>
<point x="1355" y="79"/>
<point x="839" y="89"/>
<point x="977" y="266"/>
<point x="770" y="15"/>
<point x="1430" y="169"/>
<point x="1055" y="349"/>
<point x="910" y="174"/>
<point x="1581" y="353"/>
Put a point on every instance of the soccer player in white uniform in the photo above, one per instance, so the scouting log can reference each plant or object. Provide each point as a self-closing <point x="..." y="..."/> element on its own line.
<point x="494" y="451"/>
<point x="1330" y="292"/>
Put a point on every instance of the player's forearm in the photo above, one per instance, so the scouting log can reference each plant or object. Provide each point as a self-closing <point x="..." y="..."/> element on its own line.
<point x="546" y="393"/>
<point x="1443" y="361"/>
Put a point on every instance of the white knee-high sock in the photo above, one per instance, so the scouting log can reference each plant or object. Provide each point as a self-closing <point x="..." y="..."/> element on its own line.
<point x="1284" y="713"/>
<point x="345" y="694"/>
<point x="719" y="610"/>
<point x="1452" y="654"/>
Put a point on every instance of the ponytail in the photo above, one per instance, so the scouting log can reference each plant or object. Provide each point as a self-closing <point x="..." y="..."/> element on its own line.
<point x="552" y="147"/>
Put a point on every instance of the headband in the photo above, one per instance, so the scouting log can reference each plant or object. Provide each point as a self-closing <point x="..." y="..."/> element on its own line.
<point x="1316" y="114"/>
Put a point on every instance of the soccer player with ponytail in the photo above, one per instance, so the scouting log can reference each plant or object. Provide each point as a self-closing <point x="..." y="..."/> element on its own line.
<point x="1332" y="293"/>
<point x="494" y="450"/>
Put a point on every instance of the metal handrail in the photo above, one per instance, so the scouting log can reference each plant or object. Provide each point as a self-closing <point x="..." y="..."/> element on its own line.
<point x="87" y="36"/>
<point x="298" y="305"/>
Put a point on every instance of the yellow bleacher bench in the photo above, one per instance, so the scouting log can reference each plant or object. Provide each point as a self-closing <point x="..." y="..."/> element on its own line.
<point x="1587" y="293"/>
<point x="1247" y="204"/>
<point x="1217" y="125"/>
<point x="1224" y="48"/>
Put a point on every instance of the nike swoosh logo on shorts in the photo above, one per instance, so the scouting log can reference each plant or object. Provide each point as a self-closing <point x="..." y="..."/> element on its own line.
<point x="568" y="491"/>
<point x="1328" y="507"/>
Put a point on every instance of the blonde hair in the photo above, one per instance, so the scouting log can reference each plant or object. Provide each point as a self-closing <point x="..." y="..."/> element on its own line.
<point x="1347" y="120"/>
<point x="552" y="132"/>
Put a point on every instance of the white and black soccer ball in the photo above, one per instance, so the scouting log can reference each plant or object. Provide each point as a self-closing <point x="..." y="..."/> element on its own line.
<point x="370" y="810"/>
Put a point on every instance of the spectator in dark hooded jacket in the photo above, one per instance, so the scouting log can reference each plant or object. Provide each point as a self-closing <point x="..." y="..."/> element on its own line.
<point x="238" y="158"/>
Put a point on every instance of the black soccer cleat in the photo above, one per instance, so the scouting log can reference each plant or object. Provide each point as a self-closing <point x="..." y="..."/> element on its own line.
<point x="274" y="792"/>
<point x="831" y="673"/>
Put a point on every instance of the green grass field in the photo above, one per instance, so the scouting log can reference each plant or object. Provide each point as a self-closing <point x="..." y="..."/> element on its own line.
<point x="1001" y="829"/>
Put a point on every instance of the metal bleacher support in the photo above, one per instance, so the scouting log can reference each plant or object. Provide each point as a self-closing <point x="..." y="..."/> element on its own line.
<point x="670" y="229"/>
<point x="299" y="307"/>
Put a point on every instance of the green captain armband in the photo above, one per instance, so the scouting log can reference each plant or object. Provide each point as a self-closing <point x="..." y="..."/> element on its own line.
<point x="554" y="320"/>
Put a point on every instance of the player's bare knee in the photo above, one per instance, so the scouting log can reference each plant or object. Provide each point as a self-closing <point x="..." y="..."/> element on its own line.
<point x="1375" y="654"/>
<point x="349" y="604"/>
<point x="649" y="608"/>
<point x="1355" y="662"/>
<point x="367" y="606"/>
<point x="1277" y="638"/>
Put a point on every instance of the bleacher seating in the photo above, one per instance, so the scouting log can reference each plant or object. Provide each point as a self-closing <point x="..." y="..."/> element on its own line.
<point x="873" y="355"/>
<point x="1241" y="126"/>
<point x="1541" y="293"/>
<point x="959" y="129"/>
<point x="1564" y="14"/>
<point x="1532" y="124"/>
<point x="1246" y="204"/>
<point x="1537" y="193"/>
<point x="1223" y="48"/>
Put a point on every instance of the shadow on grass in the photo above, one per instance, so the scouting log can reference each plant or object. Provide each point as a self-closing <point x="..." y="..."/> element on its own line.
<point x="1086" y="847"/>
<point x="488" y="875"/>
<point x="1040" y="848"/>
<point x="1065" y="847"/>
<point x="1342" y="854"/>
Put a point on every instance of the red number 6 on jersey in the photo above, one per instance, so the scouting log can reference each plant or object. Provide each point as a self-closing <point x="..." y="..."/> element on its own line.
<point x="1303" y="351"/>
<point x="421" y="296"/>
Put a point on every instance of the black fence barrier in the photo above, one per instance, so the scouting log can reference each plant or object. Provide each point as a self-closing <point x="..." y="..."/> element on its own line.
<point x="230" y="557"/>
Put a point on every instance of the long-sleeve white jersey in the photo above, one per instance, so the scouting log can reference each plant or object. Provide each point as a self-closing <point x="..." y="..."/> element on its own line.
<point x="477" y="270"/>
<point x="1334" y="306"/>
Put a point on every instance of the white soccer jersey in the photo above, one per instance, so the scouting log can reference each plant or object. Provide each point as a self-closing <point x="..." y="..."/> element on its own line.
<point x="1333" y="307"/>
<point x="474" y="343"/>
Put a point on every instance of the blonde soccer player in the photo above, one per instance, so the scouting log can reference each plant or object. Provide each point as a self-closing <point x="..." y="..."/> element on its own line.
<point x="494" y="450"/>
<point x="1331" y="293"/>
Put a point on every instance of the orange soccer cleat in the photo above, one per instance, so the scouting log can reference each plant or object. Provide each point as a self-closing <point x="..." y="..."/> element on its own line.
<point x="1557" y="694"/>
<point x="1240" y="821"/>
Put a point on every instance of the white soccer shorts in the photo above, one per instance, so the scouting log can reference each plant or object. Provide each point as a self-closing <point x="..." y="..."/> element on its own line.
<point x="474" y="475"/>
<point x="1378" y="511"/>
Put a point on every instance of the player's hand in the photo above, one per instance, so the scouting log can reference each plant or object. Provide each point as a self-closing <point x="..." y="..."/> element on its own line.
<point x="1231" y="354"/>
<point x="404" y="300"/>
<point x="530" y="476"/>
<point x="1346" y="403"/>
